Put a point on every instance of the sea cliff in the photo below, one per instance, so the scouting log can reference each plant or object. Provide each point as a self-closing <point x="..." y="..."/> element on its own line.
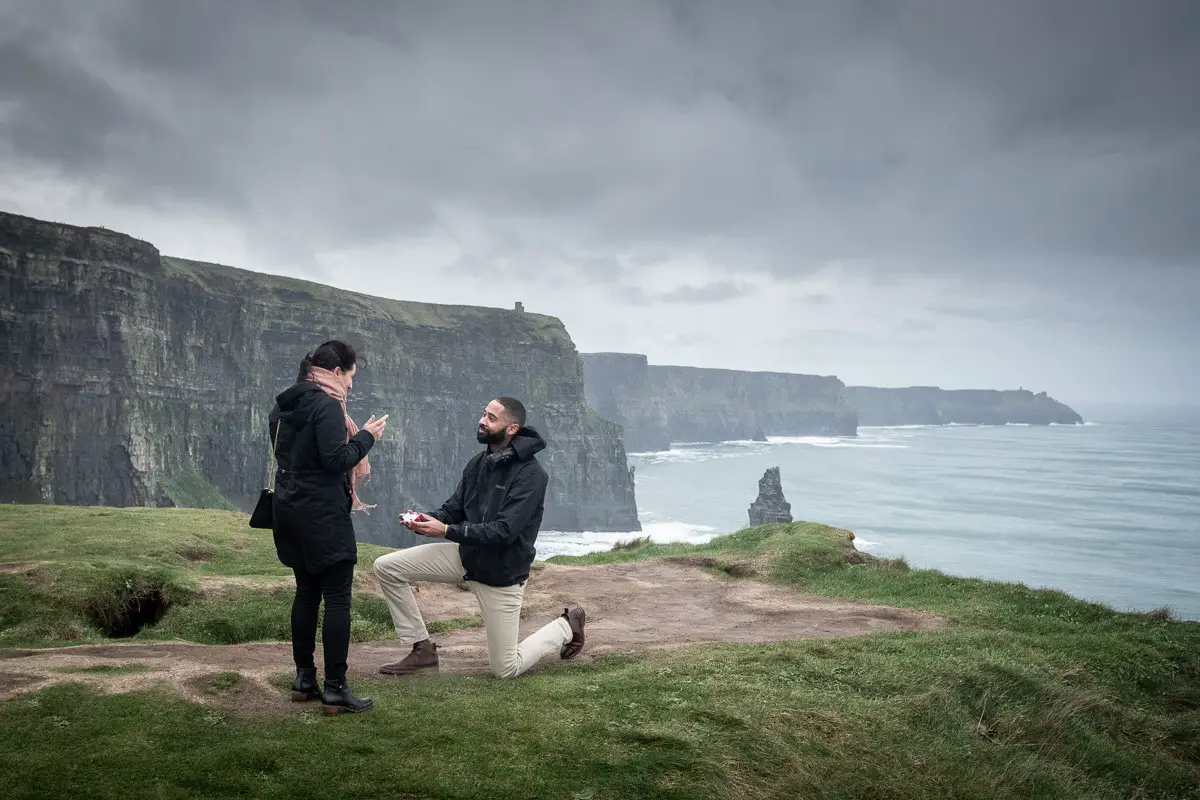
<point x="931" y="405"/>
<point x="657" y="405"/>
<point x="129" y="378"/>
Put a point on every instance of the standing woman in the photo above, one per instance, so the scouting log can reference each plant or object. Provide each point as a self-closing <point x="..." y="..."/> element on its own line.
<point x="321" y="457"/>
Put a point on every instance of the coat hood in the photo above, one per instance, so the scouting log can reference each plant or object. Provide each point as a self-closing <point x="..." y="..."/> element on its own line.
<point x="527" y="443"/>
<point x="524" y="446"/>
<point x="296" y="401"/>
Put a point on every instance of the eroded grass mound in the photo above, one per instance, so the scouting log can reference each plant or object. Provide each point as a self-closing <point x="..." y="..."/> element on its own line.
<point x="93" y="574"/>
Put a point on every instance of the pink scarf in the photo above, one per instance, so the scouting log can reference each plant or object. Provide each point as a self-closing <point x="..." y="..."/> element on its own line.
<point x="362" y="470"/>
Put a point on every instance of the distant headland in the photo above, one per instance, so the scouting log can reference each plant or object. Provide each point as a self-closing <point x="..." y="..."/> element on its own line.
<point x="657" y="405"/>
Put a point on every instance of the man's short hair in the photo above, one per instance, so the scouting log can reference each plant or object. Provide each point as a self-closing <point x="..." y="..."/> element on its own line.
<point x="514" y="407"/>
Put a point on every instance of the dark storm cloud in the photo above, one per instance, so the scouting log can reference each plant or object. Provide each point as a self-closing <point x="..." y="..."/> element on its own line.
<point x="989" y="138"/>
<point x="62" y="114"/>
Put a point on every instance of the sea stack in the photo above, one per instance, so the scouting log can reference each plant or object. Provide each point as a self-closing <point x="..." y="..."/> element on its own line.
<point x="770" y="505"/>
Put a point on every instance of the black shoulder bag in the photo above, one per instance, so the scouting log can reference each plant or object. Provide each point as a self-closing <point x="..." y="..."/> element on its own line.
<point x="263" y="515"/>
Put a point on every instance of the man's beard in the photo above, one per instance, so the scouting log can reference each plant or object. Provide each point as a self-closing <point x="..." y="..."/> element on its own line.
<point x="483" y="436"/>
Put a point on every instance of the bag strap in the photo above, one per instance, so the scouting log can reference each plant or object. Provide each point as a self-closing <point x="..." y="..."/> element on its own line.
<point x="272" y="465"/>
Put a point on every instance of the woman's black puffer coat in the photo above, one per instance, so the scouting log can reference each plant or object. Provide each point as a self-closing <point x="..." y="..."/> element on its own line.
<point x="313" y="529"/>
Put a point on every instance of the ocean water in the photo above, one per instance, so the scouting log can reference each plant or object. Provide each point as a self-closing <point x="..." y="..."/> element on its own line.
<point x="1107" y="511"/>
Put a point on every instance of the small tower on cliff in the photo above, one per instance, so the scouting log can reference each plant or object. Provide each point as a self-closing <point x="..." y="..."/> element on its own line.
<point x="519" y="307"/>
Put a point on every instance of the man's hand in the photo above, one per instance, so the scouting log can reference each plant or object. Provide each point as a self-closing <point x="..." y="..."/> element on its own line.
<point x="427" y="527"/>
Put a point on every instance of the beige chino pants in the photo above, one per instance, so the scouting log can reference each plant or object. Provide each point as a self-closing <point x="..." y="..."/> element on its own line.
<point x="501" y="607"/>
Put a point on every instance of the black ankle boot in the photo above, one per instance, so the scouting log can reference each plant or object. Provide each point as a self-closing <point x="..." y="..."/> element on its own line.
<point x="304" y="688"/>
<point x="338" y="699"/>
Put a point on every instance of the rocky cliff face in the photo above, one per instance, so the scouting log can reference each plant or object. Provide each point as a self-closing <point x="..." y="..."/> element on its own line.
<point x="130" y="378"/>
<point x="930" y="405"/>
<point x="618" y="387"/>
<point x="657" y="405"/>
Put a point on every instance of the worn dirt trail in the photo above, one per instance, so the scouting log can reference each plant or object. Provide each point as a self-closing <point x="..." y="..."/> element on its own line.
<point x="630" y="607"/>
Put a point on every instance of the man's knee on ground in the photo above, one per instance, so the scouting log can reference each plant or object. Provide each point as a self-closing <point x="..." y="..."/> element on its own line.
<point x="508" y="669"/>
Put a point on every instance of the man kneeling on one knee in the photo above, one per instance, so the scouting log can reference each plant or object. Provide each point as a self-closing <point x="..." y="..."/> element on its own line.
<point x="491" y="523"/>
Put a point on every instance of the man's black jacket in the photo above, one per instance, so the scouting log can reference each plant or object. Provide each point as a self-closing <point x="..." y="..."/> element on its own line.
<point x="496" y="511"/>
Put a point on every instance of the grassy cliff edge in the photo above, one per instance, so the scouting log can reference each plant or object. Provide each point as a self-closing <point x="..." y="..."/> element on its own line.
<point x="1026" y="693"/>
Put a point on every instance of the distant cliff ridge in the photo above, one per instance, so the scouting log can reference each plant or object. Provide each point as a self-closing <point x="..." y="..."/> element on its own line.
<point x="130" y="378"/>
<point x="930" y="405"/>
<point x="657" y="405"/>
<point x="618" y="387"/>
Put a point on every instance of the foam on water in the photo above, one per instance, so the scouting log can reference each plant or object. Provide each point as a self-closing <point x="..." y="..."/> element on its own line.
<point x="868" y="441"/>
<point x="894" y="427"/>
<point x="684" y="452"/>
<point x="569" y="543"/>
<point x="817" y="441"/>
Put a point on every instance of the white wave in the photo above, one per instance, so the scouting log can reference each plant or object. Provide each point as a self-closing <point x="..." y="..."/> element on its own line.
<point x="693" y="455"/>
<point x="813" y="440"/>
<point x="894" y="427"/>
<point x="867" y="445"/>
<point x="864" y="545"/>
<point x="573" y="543"/>
<point x="835" y="441"/>
<point x="1018" y="424"/>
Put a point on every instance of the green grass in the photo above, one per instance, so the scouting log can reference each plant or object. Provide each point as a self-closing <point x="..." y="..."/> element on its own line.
<point x="1025" y="694"/>
<point x="220" y="279"/>
<point x="194" y="491"/>
<point x="85" y="565"/>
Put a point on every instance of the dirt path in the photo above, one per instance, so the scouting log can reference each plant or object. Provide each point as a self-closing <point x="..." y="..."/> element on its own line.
<point x="630" y="607"/>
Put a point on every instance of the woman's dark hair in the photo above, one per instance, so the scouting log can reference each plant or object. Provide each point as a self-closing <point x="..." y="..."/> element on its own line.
<point x="327" y="356"/>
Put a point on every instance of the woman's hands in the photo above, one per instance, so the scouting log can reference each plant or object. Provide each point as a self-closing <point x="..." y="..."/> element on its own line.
<point x="375" y="426"/>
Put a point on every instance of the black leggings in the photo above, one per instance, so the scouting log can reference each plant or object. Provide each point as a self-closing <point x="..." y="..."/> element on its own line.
<point x="334" y="585"/>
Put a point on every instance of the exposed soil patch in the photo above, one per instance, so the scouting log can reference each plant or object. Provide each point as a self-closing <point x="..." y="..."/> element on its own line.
<point x="630" y="607"/>
<point x="128" y="614"/>
<point x="14" y="567"/>
<point x="196" y="553"/>
<point x="16" y="681"/>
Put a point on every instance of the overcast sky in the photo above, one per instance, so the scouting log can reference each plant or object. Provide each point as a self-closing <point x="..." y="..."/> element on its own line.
<point x="970" y="194"/>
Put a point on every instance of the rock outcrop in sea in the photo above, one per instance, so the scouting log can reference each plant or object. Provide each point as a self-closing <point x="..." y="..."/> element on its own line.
<point x="770" y="505"/>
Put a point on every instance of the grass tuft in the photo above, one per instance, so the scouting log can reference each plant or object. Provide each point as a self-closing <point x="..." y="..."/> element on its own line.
<point x="631" y="544"/>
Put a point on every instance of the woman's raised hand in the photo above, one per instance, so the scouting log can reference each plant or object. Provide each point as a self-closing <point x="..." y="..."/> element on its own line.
<point x="375" y="426"/>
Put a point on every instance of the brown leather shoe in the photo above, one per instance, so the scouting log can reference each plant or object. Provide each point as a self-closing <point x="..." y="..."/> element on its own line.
<point x="575" y="618"/>
<point x="423" y="657"/>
